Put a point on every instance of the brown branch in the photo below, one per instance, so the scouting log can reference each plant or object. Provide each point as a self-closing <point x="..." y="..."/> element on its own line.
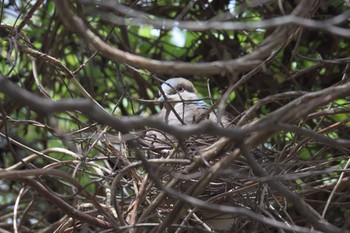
<point x="140" y="18"/>
<point x="291" y="112"/>
<point x="235" y="210"/>
<point x="124" y="125"/>
<point x="29" y="14"/>
<point x="68" y="209"/>
<point x="300" y="204"/>
<point x="280" y="36"/>
<point x="295" y="110"/>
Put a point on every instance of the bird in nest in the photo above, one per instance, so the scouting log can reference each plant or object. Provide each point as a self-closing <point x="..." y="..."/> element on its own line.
<point x="182" y="106"/>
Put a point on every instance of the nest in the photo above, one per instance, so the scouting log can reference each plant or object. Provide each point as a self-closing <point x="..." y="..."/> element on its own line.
<point x="193" y="185"/>
<point x="287" y="172"/>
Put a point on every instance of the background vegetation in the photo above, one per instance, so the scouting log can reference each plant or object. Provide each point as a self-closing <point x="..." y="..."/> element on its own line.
<point x="280" y="68"/>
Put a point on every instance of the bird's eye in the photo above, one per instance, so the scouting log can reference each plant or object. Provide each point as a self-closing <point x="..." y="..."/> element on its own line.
<point x="180" y="88"/>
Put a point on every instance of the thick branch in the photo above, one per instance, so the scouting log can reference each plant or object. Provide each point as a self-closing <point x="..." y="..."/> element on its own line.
<point x="280" y="36"/>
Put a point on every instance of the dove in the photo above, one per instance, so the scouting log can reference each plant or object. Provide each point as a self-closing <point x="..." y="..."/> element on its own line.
<point x="182" y="106"/>
<point x="181" y="94"/>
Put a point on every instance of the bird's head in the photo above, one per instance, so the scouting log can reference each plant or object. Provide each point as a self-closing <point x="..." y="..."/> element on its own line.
<point x="178" y="89"/>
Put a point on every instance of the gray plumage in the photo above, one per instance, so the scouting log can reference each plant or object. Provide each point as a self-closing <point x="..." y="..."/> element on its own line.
<point x="180" y="96"/>
<point x="182" y="105"/>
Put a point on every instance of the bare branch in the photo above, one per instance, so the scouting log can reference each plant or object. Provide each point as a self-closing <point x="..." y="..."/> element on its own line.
<point x="281" y="35"/>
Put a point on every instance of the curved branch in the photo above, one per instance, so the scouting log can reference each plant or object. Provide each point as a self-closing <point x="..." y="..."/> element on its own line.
<point x="300" y="204"/>
<point x="68" y="209"/>
<point x="140" y="18"/>
<point x="280" y="36"/>
<point x="295" y="110"/>
<point x="124" y="125"/>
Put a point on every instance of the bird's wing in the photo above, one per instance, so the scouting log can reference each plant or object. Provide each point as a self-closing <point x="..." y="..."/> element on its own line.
<point x="196" y="113"/>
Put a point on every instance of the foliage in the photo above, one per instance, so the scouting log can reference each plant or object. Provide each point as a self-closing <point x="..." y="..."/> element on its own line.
<point x="66" y="170"/>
